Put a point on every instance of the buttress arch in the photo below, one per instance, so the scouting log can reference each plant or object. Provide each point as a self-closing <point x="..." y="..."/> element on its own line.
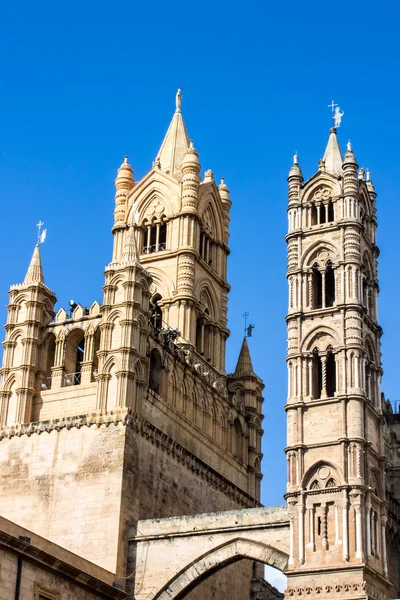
<point x="218" y="558"/>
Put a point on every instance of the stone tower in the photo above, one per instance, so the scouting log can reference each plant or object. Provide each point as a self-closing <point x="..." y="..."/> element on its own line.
<point x="120" y="412"/>
<point x="336" y="448"/>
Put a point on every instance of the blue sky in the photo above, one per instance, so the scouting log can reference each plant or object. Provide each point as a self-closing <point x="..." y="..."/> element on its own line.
<point x="83" y="84"/>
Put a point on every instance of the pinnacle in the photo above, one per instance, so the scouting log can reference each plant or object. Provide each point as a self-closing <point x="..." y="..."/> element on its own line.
<point x="175" y="144"/>
<point x="333" y="157"/>
<point x="130" y="252"/>
<point x="244" y="365"/>
<point x="34" y="273"/>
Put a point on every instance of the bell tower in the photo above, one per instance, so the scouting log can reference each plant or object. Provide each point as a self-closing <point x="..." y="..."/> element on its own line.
<point x="336" y="489"/>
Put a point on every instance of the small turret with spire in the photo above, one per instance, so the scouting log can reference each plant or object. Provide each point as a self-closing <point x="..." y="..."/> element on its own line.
<point x="245" y="389"/>
<point x="29" y="312"/>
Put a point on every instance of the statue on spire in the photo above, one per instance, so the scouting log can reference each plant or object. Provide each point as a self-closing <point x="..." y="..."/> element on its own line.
<point x="336" y="114"/>
<point x="337" y="117"/>
<point x="178" y="99"/>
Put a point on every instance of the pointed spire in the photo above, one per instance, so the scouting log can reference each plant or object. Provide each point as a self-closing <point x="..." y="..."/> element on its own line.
<point x="333" y="157"/>
<point x="34" y="273"/>
<point x="175" y="144"/>
<point x="130" y="252"/>
<point x="244" y="365"/>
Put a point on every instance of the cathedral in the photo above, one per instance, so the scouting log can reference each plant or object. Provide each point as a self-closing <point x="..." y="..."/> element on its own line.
<point x="120" y="419"/>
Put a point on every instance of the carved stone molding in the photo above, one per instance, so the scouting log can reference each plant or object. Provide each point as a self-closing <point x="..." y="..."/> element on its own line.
<point x="139" y="426"/>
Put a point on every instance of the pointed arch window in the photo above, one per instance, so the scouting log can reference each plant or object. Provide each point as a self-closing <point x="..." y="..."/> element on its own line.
<point x="74" y="356"/>
<point x="155" y="374"/>
<point x="323" y="286"/>
<point x="330" y="373"/>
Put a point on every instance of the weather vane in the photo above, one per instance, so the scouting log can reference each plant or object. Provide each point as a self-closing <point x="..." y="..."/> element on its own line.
<point x="336" y="114"/>
<point x="41" y="234"/>
<point x="247" y="328"/>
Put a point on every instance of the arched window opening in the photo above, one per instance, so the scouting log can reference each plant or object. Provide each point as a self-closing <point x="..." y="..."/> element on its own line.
<point x="207" y="249"/>
<point x="155" y="237"/>
<point x="200" y="335"/>
<point x="237" y="446"/>
<point x="50" y="358"/>
<point x="365" y="292"/>
<point x="155" y="377"/>
<point x="329" y="285"/>
<point x="162" y="242"/>
<point x="96" y="348"/>
<point x="314" y="215"/>
<point x="74" y="354"/>
<point x="331" y="212"/>
<point x="330" y="373"/>
<point x="322" y="213"/>
<point x="156" y="316"/>
<point x="317" y="287"/>
<point x="317" y="375"/>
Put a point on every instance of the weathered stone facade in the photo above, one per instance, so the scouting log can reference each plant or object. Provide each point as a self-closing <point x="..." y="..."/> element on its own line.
<point x="32" y="568"/>
<point x="121" y="412"/>
<point x="337" y="448"/>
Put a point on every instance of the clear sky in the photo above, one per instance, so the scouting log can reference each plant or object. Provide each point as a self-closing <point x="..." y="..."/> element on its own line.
<point x="84" y="83"/>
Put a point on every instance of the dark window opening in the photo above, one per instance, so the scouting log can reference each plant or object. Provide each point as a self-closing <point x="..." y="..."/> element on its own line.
<point x="162" y="241"/>
<point x="156" y="316"/>
<point x="155" y="372"/>
<point x="314" y="216"/>
<point x="322" y="213"/>
<point x="317" y="288"/>
<point x="317" y="375"/>
<point x="330" y="374"/>
<point x="329" y="286"/>
<point x="319" y="525"/>
<point x="331" y="212"/>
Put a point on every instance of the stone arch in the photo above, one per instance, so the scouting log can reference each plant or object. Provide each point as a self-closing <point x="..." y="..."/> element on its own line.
<point x="320" y="252"/>
<point x="321" y="338"/>
<point x="207" y="299"/>
<point x="162" y="283"/>
<point x="48" y="354"/>
<point x="375" y="483"/>
<point x="321" y="473"/>
<point x="148" y="192"/>
<point x="210" y="203"/>
<point x="318" y="181"/>
<point x="218" y="558"/>
<point x="73" y="357"/>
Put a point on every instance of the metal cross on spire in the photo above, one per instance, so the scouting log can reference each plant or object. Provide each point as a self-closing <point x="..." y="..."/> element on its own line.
<point x="41" y="234"/>
<point x="336" y="114"/>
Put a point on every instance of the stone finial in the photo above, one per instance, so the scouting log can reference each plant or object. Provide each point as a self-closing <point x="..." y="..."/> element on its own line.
<point x="208" y="176"/>
<point x="34" y="273"/>
<point x="295" y="170"/>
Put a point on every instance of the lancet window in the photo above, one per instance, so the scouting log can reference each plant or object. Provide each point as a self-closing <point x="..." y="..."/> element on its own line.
<point x="323" y="286"/>
<point x="156" y="316"/>
<point x="155" y="374"/>
<point x="208" y="249"/>
<point x="323" y="374"/>
<point x="74" y="354"/>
